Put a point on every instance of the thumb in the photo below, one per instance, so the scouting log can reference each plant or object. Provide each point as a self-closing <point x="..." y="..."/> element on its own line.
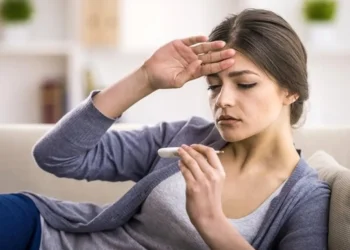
<point x="191" y="72"/>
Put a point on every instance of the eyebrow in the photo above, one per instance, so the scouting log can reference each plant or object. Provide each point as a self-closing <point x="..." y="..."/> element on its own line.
<point x="235" y="73"/>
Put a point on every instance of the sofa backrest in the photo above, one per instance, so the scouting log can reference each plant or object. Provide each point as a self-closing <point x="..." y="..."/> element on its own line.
<point x="18" y="171"/>
<point x="333" y="140"/>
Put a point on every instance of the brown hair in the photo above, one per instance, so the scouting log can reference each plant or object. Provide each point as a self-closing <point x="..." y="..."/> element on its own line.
<point x="270" y="42"/>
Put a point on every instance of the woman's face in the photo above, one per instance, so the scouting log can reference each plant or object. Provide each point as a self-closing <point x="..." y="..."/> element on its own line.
<point x="244" y="100"/>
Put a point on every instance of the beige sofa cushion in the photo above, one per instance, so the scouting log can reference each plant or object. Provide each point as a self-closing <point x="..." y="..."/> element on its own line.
<point x="338" y="178"/>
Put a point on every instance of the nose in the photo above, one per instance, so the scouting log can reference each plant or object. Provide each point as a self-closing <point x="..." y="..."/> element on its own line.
<point x="226" y="97"/>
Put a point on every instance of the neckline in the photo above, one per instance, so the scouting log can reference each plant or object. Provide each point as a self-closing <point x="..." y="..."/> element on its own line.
<point x="267" y="201"/>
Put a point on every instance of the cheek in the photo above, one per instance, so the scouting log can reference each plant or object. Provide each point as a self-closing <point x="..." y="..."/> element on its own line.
<point x="254" y="107"/>
<point x="265" y="107"/>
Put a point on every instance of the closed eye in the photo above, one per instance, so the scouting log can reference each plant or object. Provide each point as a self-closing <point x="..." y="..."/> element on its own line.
<point x="213" y="87"/>
<point x="240" y="85"/>
<point x="246" y="86"/>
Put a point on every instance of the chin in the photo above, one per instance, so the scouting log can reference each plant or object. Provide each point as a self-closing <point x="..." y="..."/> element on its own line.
<point x="232" y="134"/>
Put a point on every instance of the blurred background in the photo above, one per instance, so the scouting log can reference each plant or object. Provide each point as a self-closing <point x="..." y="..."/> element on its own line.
<point x="54" y="52"/>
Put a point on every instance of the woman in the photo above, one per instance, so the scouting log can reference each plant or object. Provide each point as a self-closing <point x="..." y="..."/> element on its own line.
<point x="258" y="194"/>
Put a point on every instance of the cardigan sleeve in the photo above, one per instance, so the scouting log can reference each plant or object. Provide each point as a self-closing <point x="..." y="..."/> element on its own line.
<point x="81" y="146"/>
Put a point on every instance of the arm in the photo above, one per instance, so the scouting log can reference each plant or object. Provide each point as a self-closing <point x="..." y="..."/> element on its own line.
<point x="78" y="146"/>
<point x="115" y="100"/>
<point x="307" y="228"/>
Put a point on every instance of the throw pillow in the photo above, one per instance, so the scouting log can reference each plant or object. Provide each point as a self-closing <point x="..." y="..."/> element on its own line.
<point x="338" y="178"/>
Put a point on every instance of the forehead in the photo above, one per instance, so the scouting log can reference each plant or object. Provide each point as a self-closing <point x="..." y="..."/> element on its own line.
<point x="242" y="63"/>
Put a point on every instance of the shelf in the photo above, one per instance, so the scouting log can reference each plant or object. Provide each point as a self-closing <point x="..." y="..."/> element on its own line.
<point x="37" y="48"/>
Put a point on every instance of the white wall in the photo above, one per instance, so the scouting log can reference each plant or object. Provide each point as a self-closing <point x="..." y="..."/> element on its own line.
<point x="146" y="25"/>
<point x="50" y="22"/>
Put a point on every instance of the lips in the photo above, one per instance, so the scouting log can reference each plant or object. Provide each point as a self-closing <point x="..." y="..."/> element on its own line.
<point x="228" y="121"/>
<point x="226" y="118"/>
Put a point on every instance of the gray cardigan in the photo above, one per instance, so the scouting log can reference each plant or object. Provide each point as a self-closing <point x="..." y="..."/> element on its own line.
<point x="81" y="146"/>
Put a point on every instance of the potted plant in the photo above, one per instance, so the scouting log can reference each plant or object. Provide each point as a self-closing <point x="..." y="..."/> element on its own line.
<point x="15" y="16"/>
<point x="320" y="16"/>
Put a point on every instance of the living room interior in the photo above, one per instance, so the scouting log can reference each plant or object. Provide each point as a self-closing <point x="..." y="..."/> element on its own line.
<point x="53" y="53"/>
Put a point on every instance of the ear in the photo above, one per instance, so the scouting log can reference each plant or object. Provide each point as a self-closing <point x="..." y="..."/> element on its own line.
<point x="290" y="98"/>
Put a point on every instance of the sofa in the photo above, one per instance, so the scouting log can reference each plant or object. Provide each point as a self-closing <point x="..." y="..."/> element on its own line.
<point x="325" y="148"/>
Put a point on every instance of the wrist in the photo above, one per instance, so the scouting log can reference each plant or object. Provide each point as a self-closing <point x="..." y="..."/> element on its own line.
<point x="138" y="85"/>
<point x="216" y="219"/>
<point x="146" y="79"/>
<point x="116" y="98"/>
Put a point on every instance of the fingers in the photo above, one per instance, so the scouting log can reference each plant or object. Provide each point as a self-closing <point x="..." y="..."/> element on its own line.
<point x="196" y="163"/>
<point x="208" y="47"/>
<point x="210" y="155"/>
<point x="217" y="56"/>
<point x="212" y="68"/>
<point x="213" y="58"/>
<point x="186" y="173"/>
<point x="185" y="52"/>
<point x="203" y="59"/>
<point x="194" y="39"/>
<point x="197" y="69"/>
<point x="192" y="164"/>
